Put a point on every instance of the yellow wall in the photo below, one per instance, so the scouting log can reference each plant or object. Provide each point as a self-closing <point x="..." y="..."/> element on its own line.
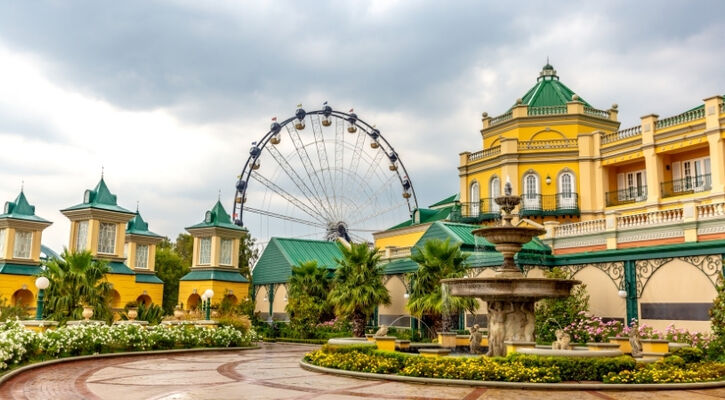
<point x="401" y="240"/>
<point x="220" y="288"/>
<point x="9" y="284"/>
<point x="398" y="302"/>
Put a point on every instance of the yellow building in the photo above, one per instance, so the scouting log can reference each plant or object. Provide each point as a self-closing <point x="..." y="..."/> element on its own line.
<point x="215" y="261"/>
<point x="20" y="249"/>
<point x="98" y="225"/>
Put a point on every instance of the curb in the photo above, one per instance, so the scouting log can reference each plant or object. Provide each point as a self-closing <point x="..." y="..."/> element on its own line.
<point x="13" y="373"/>
<point x="516" y="385"/>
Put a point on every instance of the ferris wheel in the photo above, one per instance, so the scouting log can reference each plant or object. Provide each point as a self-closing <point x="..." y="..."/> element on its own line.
<point x="322" y="174"/>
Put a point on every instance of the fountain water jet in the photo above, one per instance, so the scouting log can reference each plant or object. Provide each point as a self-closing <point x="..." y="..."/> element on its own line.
<point x="509" y="295"/>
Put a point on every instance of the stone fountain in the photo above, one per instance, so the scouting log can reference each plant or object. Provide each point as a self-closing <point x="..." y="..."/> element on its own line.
<point x="509" y="295"/>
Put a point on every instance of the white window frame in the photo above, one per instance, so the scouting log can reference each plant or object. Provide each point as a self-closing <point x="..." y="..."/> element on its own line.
<point x="81" y="236"/>
<point x="205" y="250"/>
<point x="3" y="239"/>
<point x="142" y="256"/>
<point x="106" y="238"/>
<point x="565" y="196"/>
<point x="682" y="170"/>
<point x="475" y="198"/>
<point x="531" y="199"/>
<point x="226" y="249"/>
<point x="23" y="246"/>
<point x="495" y="191"/>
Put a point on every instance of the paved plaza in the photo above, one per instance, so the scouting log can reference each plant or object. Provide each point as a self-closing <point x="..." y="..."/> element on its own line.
<point x="271" y="372"/>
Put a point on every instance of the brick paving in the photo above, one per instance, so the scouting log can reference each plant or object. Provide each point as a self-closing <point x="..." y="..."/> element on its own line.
<point x="271" y="372"/>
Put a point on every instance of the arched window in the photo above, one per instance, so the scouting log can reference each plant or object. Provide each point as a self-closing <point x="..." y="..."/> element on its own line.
<point x="566" y="197"/>
<point x="475" y="199"/>
<point x="494" y="192"/>
<point x="531" y="197"/>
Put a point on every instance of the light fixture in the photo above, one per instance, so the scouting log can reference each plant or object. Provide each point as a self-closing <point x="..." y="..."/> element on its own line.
<point x="548" y="180"/>
<point x="622" y="293"/>
<point x="41" y="283"/>
<point x="209" y="293"/>
<point x="406" y="295"/>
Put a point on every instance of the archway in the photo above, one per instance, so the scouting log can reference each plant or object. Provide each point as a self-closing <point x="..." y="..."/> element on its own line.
<point x="231" y="299"/>
<point x="193" y="302"/>
<point x="23" y="298"/>
<point x="116" y="300"/>
<point x="144" y="299"/>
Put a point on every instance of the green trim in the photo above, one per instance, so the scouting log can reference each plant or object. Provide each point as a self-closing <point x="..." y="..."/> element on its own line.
<point x="213" y="274"/>
<point x="100" y="198"/>
<point x="643" y="253"/>
<point x="630" y="286"/>
<point x="137" y="226"/>
<point x="19" y="269"/>
<point x="120" y="268"/>
<point x="148" y="278"/>
<point x="22" y="210"/>
<point x="447" y="200"/>
<point x="217" y="217"/>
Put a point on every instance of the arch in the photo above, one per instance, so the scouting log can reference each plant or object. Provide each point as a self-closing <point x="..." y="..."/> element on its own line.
<point x="116" y="299"/>
<point x="261" y="299"/>
<point x="494" y="190"/>
<point x="193" y="301"/>
<point x="566" y="189"/>
<point x="603" y="298"/>
<point x="474" y="197"/>
<point x="232" y="299"/>
<point x="495" y="142"/>
<point x="531" y="190"/>
<point x="398" y="303"/>
<point x="23" y="298"/>
<point x="280" y="299"/>
<point x="145" y="299"/>
<point x="547" y="134"/>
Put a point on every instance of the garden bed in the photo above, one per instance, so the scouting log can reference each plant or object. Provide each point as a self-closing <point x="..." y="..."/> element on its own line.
<point x="517" y="368"/>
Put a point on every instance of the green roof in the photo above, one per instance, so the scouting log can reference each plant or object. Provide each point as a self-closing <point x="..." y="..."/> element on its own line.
<point x="21" y="209"/>
<point x="448" y="200"/>
<point x="120" y="268"/>
<point x="137" y="226"/>
<point x="148" y="278"/>
<point x="213" y="274"/>
<point x="99" y="198"/>
<point x="19" y="269"/>
<point x="281" y="254"/>
<point x="424" y="216"/>
<point x="463" y="234"/>
<point x="400" y="266"/>
<point x="217" y="217"/>
<point x="549" y="91"/>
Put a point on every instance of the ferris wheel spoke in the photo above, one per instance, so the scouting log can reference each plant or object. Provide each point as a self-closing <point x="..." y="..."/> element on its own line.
<point x="339" y="158"/>
<point x="357" y="150"/>
<point x="375" y="164"/>
<point x="290" y="198"/>
<point x="322" y="157"/>
<point x="285" y="217"/>
<point x="294" y="176"/>
<point x="376" y="213"/>
<point x="309" y="168"/>
<point x="369" y="200"/>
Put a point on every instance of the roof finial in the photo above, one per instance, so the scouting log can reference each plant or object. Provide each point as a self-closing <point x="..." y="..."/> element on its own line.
<point x="220" y="195"/>
<point x="136" y="206"/>
<point x="22" y="185"/>
<point x="102" y="171"/>
<point x="547" y="59"/>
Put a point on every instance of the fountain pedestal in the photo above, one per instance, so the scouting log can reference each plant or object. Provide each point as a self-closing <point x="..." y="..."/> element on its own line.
<point x="509" y="295"/>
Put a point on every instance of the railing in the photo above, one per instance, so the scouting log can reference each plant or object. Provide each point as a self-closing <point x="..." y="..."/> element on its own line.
<point x="660" y="217"/>
<point x="548" y="205"/>
<point x="707" y="211"/>
<point x="596" y="112"/>
<point x="580" y="228"/>
<point x="395" y="252"/>
<point x="687" y="185"/>
<point x="484" y="153"/>
<point x="475" y="212"/>
<point x="548" y="144"/>
<point x="546" y="110"/>
<point x="502" y="118"/>
<point x="622" y="134"/>
<point x="626" y="196"/>
<point x="681" y="118"/>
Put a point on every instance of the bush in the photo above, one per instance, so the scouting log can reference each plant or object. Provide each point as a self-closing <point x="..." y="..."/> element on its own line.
<point x="672" y="371"/>
<point x="690" y="354"/>
<point x="238" y="322"/>
<point x="577" y="368"/>
<point x="553" y="314"/>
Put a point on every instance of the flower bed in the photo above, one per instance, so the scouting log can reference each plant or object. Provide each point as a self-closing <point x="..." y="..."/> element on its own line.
<point x="517" y="367"/>
<point x="19" y="345"/>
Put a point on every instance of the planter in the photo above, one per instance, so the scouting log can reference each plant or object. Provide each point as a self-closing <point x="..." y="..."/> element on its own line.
<point x="463" y="340"/>
<point x="623" y="343"/>
<point x="370" y="337"/>
<point x="87" y="313"/>
<point x="595" y="346"/>
<point x="447" y="339"/>
<point x="402" y="344"/>
<point x="514" y="347"/>
<point x="38" y="325"/>
<point x="386" y="343"/>
<point x="434" y="353"/>
<point x="132" y="313"/>
<point x="655" y="346"/>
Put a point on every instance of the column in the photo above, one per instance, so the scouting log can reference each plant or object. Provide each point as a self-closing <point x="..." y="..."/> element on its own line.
<point x="653" y="163"/>
<point x="510" y="167"/>
<point x="715" y="142"/>
<point x="630" y="286"/>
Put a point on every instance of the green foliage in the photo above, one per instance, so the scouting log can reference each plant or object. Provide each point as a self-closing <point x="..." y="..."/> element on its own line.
<point x="184" y="247"/>
<point x="76" y="279"/>
<point x="358" y="287"/>
<point x="236" y="321"/>
<point x="577" y="368"/>
<point x="438" y="260"/>
<point x="170" y="267"/>
<point x="307" y="305"/>
<point x="10" y="312"/>
<point x="153" y="313"/>
<point x="716" y="350"/>
<point x="690" y="354"/>
<point x="670" y="370"/>
<point x="553" y="314"/>
<point x="248" y="254"/>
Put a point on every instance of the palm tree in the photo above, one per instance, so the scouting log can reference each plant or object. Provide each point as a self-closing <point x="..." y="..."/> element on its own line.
<point x="437" y="260"/>
<point x="77" y="279"/>
<point x="308" y="289"/>
<point x="358" y="287"/>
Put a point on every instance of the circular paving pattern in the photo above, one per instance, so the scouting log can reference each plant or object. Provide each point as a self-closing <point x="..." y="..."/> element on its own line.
<point x="271" y="372"/>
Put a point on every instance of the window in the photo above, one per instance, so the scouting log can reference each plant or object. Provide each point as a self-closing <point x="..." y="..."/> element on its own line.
<point x="107" y="238"/>
<point x="566" y="197"/>
<point x="531" y="198"/>
<point x="142" y="256"/>
<point x="205" y="250"/>
<point x="495" y="192"/>
<point x="632" y="186"/>
<point x="225" y="257"/>
<point x="475" y="198"/>
<point x="81" y="235"/>
<point x="691" y="175"/>
<point x="3" y="236"/>
<point x="23" y="243"/>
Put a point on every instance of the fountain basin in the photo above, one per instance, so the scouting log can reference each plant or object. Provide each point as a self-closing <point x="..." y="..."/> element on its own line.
<point x="509" y="234"/>
<point x="571" y="353"/>
<point x="510" y="288"/>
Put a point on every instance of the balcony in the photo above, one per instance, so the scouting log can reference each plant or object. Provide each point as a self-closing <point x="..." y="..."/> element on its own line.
<point x="476" y="212"/>
<point x="630" y="195"/>
<point x="687" y="185"/>
<point x="537" y="205"/>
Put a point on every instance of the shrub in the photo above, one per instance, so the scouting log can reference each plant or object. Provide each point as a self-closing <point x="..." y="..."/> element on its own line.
<point x="577" y="368"/>
<point x="238" y="322"/>
<point x="690" y="354"/>
<point x="664" y="371"/>
<point x="553" y="314"/>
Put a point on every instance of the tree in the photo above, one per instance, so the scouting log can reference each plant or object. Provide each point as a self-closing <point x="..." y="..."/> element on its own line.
<point x="184" y="247"/>
<point x="307" y="305"/>
<point x="170" y="267"/>
<point x="438" y="260"/>
<point x="553" y="314"/>
<point x="357" y="286"/>
<point x="248" y="255"/>
<point x="76" y="279"/>
<point x="716" y="350"/>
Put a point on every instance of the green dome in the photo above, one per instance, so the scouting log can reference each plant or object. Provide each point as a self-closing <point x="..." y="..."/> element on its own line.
<point x="549" y="91"/>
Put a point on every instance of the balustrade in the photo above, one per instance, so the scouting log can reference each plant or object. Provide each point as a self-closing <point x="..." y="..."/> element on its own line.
<point x="546" y="110"/>
<point x="630" y="195"/>
<point x="580" y="228"/>
<point x="501" y="118"/>
<point x="549" y="205"/>
<point x="622" y="134"/>
<point x="596" y="112"/>
<point x="687" y="185"/>
<point x="548" y="144"/>
<point x="681" y="118"/>
<point x="708" y="211"/>
<point x="484" y="153"/>
<point x="661" y="217"/>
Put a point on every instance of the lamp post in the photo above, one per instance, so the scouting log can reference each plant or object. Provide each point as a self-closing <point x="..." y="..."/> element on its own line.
<point x="208" y="294"/>
<point x="203" y="304"/>
<point x="41" y="283"/>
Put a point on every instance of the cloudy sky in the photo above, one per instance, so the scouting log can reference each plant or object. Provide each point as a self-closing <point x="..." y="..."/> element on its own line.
<point x="167" y="95"/>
